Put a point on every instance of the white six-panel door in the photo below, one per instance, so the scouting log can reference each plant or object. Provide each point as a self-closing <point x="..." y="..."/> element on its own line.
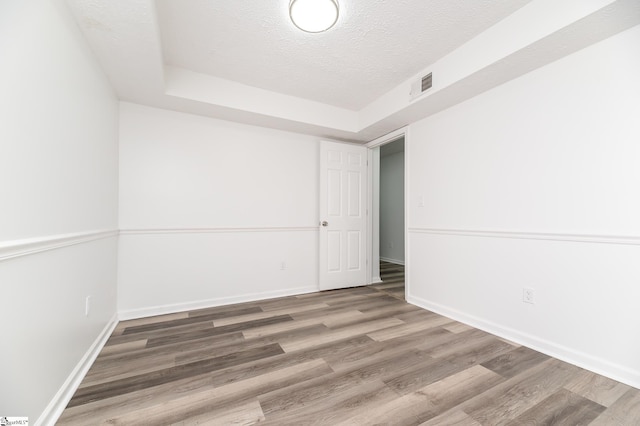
<point x="343" y="220"/>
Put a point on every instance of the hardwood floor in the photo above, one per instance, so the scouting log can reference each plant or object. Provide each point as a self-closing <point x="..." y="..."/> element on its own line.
<point x="357" y="356"/>
<point x="392" y="276"/>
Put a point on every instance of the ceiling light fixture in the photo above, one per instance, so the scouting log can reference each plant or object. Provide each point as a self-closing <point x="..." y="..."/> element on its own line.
<point x="314" y="16"/>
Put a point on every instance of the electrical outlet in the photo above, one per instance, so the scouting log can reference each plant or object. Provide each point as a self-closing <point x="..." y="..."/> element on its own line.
<point x="283" y="265"/>
<point x="528" y="295"/>
<point x="87" y="306"/>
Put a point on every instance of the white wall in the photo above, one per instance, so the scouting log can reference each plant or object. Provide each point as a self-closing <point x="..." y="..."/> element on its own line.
<point x="58" y="198"/>
<point x="210" y="210"/>
<point x="392" y="207"/>
<point x="535" y="184"/>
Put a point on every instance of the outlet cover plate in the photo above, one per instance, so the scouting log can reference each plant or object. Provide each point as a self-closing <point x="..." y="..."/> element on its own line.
<point x="528" y="295"/>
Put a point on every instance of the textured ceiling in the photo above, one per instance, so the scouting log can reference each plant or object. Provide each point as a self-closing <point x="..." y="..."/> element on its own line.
<point x="243" y="60"/>
<point x="375" y="45"/>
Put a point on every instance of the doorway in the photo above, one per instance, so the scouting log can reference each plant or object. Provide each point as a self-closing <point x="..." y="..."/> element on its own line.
<point x="388" y="218"/>
<point x="391" y="205"/>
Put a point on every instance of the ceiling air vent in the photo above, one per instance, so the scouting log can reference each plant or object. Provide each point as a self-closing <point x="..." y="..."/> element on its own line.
<point x="420" y="86"/>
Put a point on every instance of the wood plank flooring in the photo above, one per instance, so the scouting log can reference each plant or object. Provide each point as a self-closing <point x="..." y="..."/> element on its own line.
<point x="392" y="276"/>
<point x="356" y="356"/>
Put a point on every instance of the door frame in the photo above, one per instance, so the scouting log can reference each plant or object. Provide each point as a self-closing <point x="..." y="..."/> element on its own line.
<point x="374" y="236"/>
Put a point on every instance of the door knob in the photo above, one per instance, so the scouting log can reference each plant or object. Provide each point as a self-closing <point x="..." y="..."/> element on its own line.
<point x="325" y="223"/>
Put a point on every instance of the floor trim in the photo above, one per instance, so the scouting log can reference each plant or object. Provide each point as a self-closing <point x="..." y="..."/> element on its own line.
<point x="597" y="365"/>
<point x="151" y="311"/>
<point x="59" y="402"/>
<point x="394" y="261"/>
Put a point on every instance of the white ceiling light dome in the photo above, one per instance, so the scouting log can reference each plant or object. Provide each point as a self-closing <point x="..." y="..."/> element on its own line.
<point x="314" y="16"/>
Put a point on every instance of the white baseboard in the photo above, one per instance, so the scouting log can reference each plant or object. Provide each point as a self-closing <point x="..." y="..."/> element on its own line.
<point x="563" y="353"/>
<point x="396" y="261"/>
<point x="59" y="402"/>
<point x="210" y="303"/>
<point x="376" y="280"/>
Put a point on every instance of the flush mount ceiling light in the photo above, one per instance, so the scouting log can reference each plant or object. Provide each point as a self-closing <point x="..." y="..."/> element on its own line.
<point x="313" y="16"/>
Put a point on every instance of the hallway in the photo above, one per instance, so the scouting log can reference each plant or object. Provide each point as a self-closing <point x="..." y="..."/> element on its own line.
<point x="392" y="276"/>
